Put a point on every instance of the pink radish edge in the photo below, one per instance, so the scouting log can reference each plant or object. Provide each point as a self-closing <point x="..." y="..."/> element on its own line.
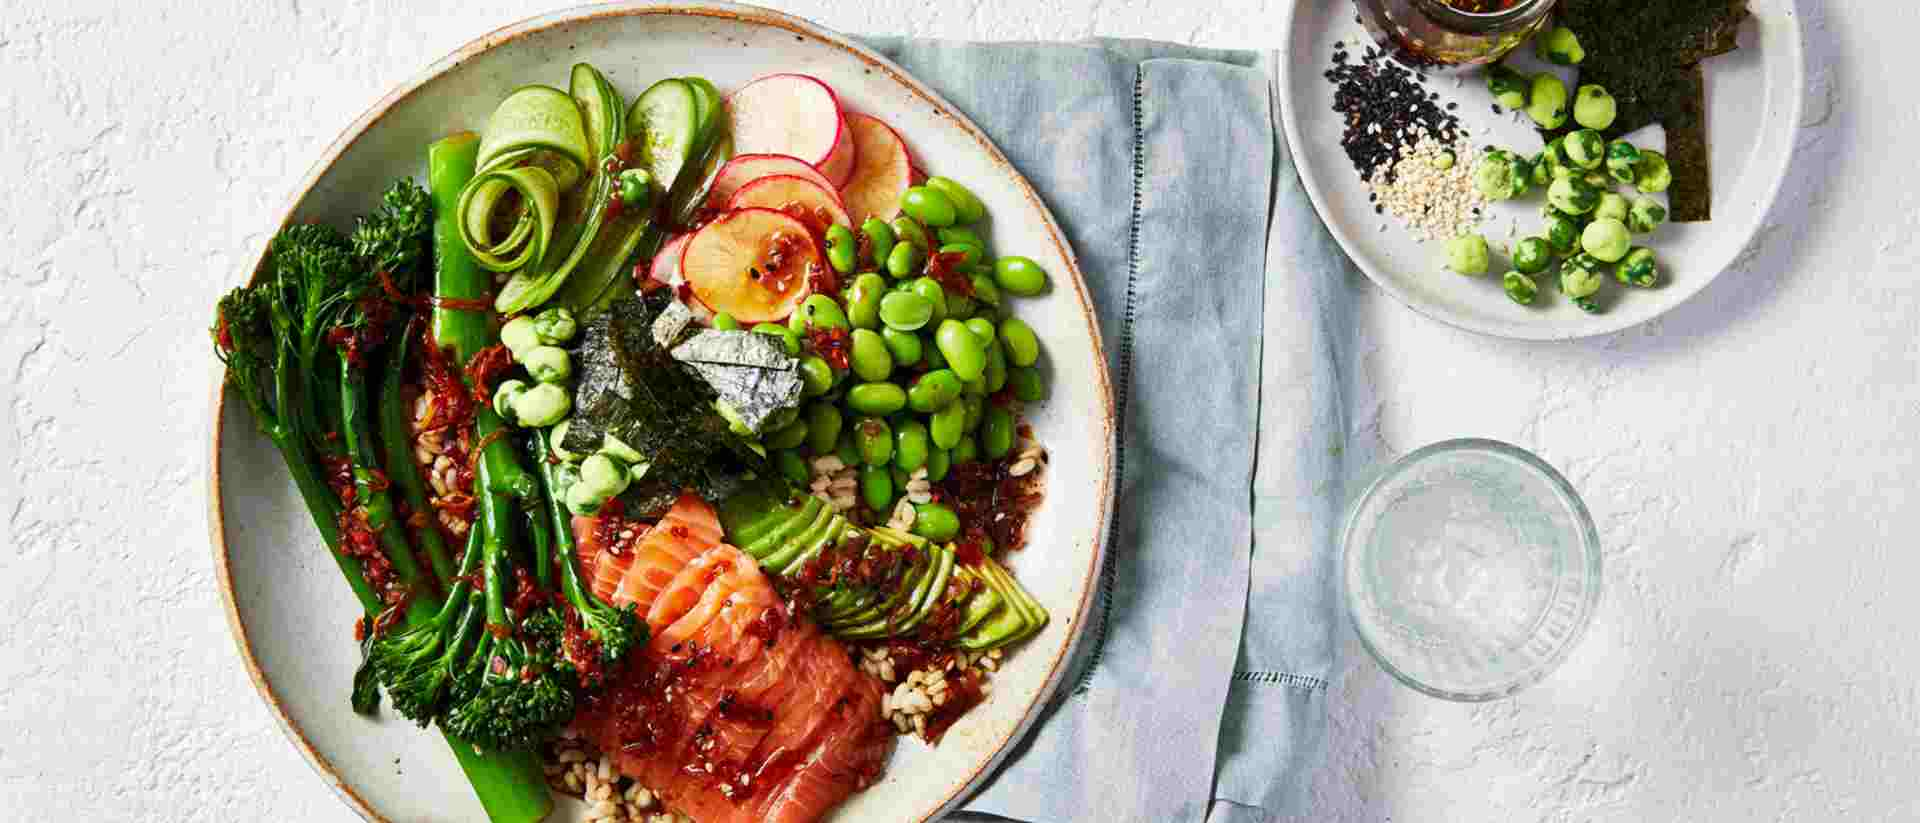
<point x="747" y="196"/>
<point x="835" y="161"/>
<point x="883" y="172"/>
<point x="746" y="168"/>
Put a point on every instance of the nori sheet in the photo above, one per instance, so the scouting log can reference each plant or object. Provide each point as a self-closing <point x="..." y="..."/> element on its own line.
<point x="1647" y="54"/>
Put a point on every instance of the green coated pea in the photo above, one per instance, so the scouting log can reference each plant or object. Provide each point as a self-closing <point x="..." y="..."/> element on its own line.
<point x="966" y="353"/>
<point x="938" y="462"/>
<point x="908" y="230"/>
<point x="996" y="373"/>
<point x="1020" y="275"/>
<point x="863" y="300"/>
<point x="880" y="239"/>
<point x="930" y="289"/>
<point x="848" y="449"/>
<point x="869" y="356"/>
<point x="933" y="391"/>
<point x="904" y="345"/>
<point x="948" y="425"/>
<point x="960" y="234"/>
<point x="843" y="252"/>
<point x="983" y="329"/>
<point x="876" y="398"/>
<point x="816" y="376"/>
<point x="996" y="433"/>
<point x="873" y="438"/>
<point x="936" y="522"/>
<point x="725" y="322"/>
<point x="905" y="311"/>
<point x="928" y="206"/>
<point x="876" y="487"/>
<point x="1027" y="384"/>
<point x="984" y="289"/>
<point x="966" y="450"/>
<point x="823" y="427"/>
<point x="975" y="407"/>
<point x="910" y="445"/>
<point x="905" y="260"/>
<point x="969" y="253"/>
<point x="820" y="312"/>
<point x="788" y="337"/>
<point x="1023" y="346"/>
<point x="966" y="207"/>
<point x="789" y="436"/>
<point x="792" y="466"/>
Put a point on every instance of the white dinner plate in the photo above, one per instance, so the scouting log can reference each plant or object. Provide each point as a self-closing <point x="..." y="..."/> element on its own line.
<point x="1753" y="104"/>
<point x="290" y="611"/>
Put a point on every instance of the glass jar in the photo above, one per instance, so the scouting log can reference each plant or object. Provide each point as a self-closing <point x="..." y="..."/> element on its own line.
<point x="1444" y="33"/>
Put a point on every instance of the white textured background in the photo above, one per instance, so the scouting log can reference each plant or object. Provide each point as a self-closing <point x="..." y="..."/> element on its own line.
<point x="1748" y="457"/>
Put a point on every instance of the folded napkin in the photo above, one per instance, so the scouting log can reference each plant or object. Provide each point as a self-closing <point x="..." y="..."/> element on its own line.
<point x="1199" y="689"/>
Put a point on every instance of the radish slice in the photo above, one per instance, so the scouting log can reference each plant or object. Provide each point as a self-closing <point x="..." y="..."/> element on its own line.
<point x="747" y="168"/>
<point x="917" y="177"/>
<point x="797" y="196"/>
<point x="883" y="173"/>
<point x="753" y="264"/>
<point x="666" y="264"/>
<point x="796" y="115"/>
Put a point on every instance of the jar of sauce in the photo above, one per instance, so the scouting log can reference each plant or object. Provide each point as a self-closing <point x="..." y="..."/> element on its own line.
<point x="1442" y="33"/>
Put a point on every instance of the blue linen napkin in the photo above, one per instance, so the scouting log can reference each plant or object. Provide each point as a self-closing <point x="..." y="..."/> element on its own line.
<point x="1199" y="690"/>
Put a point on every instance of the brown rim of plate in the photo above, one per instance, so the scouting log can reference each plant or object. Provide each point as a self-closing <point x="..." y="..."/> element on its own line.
<point x="216" y="521"/>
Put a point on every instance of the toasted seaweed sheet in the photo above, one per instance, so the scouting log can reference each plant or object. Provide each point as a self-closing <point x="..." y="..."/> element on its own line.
<point x="1647" y="54"/>
<point x="751" y="373"/>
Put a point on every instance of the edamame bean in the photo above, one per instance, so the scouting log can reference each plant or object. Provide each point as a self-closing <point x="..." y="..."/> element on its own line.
<point x="908" y="230"/>
<point x="975" y="388"/>
<point x="787" y="337"/>
<point x="1023" y="346"/>
<point x="869" y="356"/>
<point x="938" y="462"/>
<point x="879" y="239"/>
<point x="929" y="289"/>
<point x="788" y="437"/>
<point x="725" y="322"/>
<point x="961" y="234"/>
<point x="905" y="311"/>
<point x="960" y="306"/>
<point x="905" y="260"/>
<point x="816" y="376"/>
<point x="823" y="427"/>
<point x="876" y="487"/>
<point x="966" y="354"/>
<point x="966" y="450"/>
<point x="863" y="300"/>
<point x="996" y="373"/>
<point x="935" y="360"/>
<point x="984" y="289"/>
<point x="947" y="426"/>
<point x="936" y="522"/>
<point x="928" y="206"/>
<point x="969" y="253"/>
<point x="876" y="398"/>
<point x="873" y="438"/>
<point x="983" y="329"/>
<point x="904" y="345"/>
<point x="842" y="249"/>
<point x="933" y="391"/>
<point x="820" y="312"/>
<point x="996" y="433"/>
<point x="1027" y="384"/>
<point x="1020" y="275"/>
<point x="975" y="406"/>
<point x="792" y="466"/>
<point x="966" y="207"/>
<point x="847" y="450"/>
<point x="909" y="445"/>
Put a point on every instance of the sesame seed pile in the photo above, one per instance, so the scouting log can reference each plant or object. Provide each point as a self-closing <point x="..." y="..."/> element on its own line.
<point x="1429" y="188"/>
<point x="1387" y="107"/>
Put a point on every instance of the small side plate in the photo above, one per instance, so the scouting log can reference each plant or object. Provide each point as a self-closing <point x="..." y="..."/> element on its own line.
<point x="1753" y="103"/>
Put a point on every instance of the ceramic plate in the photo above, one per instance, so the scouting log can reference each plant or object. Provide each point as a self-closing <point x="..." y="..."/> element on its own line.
<point x="292" y="614"/>
<point x="1753" y="100"/>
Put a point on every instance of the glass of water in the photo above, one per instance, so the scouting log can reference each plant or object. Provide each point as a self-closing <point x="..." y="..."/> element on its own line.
<point x="1471" y="569"/>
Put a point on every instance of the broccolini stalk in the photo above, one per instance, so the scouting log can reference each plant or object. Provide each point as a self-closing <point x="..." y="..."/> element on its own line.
<point x="617" y="629"/>
<point x="396" y="438"/>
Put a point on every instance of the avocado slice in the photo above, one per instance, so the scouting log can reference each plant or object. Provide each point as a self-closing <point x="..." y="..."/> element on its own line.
<point x="762" y="538"/>
<point x="836" y="532"/>
<point x="748" y="515"/>
<point x="880" y="607"/>
<point x="932" y="595"/>
<point x="908" y="614"/>
<point x="981" y="603"/>
<point x="795" y="543"/>
<point x="813" y="514"/>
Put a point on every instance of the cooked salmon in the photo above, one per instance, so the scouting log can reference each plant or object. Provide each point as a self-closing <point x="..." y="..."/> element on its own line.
<point x="737" y="710"/>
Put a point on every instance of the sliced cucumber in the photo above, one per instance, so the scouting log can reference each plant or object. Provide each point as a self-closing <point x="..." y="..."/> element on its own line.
<point x="525" y="291"/>
<point x="538" y="117"/>
<point x="600" y="110"/>
<point x="666" y="118"/>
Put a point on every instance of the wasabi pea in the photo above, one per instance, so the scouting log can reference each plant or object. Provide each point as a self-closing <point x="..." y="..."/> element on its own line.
<point x="1606" y="239"/>
<point x="1531" y="255"/>
<point x="1467" y="254"/>
<point x="542" y="405"/>
<point x="1577" y="280"/>
<point x="1611" y="206"/>
<point x="618" y="449"/>
<point x="1573" y="195"/>
<point x="1593" y="107"/>
<point x="1652" y="176"/>
<point x="1559" y="46"/>
<point x="1586" y="149"/>
<point x="558" y="437"/>
<point x="519" y="335"/>
<point x="1622" y="160"/>
<point x="555" y="326"/>
<point x="1442" y="161"/>
<point x="1502" y="175"/>
<point x="504" y="396"/>
<point x="1509" y="87"/>
<point x="1645" y="215"/>
<point x="1519" y="287"/>
<point x="1547" y="103"/>
<point x="1562" y="234"/>
<point x="1638" y="268"/>
<point x="548" y="364"/>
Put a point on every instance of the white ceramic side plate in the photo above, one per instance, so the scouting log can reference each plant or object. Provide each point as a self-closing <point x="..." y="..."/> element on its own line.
<point x="1753" y="101"/>
<point x="291" y="613"/>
